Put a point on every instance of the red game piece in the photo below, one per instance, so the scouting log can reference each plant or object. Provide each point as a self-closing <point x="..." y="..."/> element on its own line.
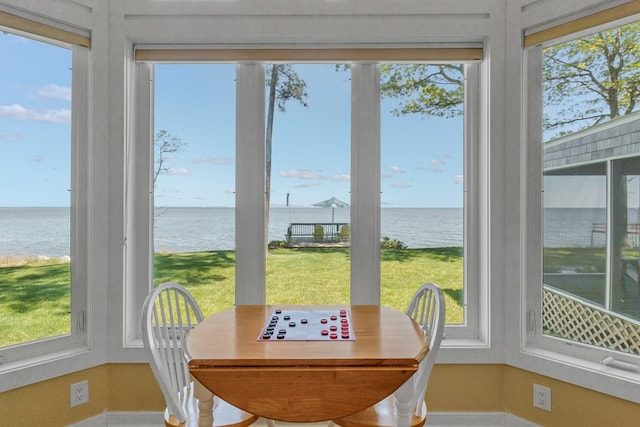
<point x="334" y="336"/>
<point x="323" y="320"/>
<point x="324" y="332"/>
<point x="333" y="328"/>
<point x="334" y="317"/>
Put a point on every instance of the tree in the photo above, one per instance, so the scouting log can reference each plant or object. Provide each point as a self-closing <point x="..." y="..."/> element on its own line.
<point x="592" y="79"/>
<point x="429" y="90"/>
<point x="165" y="143"/>
<point x="284" y="85"/>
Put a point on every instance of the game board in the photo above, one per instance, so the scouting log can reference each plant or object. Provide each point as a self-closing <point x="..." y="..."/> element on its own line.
<point x="308" y="325"/>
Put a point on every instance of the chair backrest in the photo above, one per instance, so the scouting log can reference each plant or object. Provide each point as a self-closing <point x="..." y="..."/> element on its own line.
<point x="345" y="231"/>
<point x="427" y="308"/>
<point x="168" y="314"/>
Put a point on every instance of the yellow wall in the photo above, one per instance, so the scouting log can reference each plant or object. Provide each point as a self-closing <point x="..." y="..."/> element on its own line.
<point x="452" y="388"/>
<point x="113" y="387"/>
<point x="502" y="388"/>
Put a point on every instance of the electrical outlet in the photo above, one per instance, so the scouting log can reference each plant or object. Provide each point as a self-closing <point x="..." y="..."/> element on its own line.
<point x="542" y="397"/>
<point x="79" y="393"/>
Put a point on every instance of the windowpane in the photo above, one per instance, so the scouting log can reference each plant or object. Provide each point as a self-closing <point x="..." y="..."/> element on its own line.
<point x="575" y="233"/>
<point x="590" y="167"/>
<point x="625" y="297"/>
<point x="309" y="186"/>
<point x="422" y="171"/>
<point x="194" y="181"/>
<point x="35" y="141"/>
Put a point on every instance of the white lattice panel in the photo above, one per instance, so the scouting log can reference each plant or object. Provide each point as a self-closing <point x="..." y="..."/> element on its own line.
<point x="573" y="319"/>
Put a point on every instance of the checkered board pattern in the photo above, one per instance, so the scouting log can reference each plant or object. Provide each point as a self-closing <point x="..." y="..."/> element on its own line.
<point x="308" y="325"/>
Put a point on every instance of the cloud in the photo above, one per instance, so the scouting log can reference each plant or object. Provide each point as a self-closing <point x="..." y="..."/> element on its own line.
<point x="435" y="170"/>
<point x="216" y="161"/>
<point x="179" y="171"/>
<point x="52" y="91"/>
<point x="396" y="169"/>
<point x="385" y="176"/>
<point x="401" y="185"/>
<point x="19" y="112"/>
<point x="436" y="162"/>
<point x="458" y="179"/>
<point x="341" y="178"/>
<point x="37" y="159"/>
<point x="229" y="191"/>
<point x="301" y="174"/>
<point x="308" y="185"/>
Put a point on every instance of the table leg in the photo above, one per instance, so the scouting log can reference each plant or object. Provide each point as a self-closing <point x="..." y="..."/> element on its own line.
<point x="403" y="397"/>
<point x="205" y="404"/>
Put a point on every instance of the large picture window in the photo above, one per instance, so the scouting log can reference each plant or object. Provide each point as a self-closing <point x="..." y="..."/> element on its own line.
<point x="42" y="257"/>
<point x="589" y="295"/>
<point x="313" y="236"/>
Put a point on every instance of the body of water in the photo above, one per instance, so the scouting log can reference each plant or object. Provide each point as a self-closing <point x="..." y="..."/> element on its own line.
<point x="45" y="231"/>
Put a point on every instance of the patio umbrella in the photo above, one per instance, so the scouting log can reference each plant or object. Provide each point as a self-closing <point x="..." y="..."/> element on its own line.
<point x="332" y="203"/>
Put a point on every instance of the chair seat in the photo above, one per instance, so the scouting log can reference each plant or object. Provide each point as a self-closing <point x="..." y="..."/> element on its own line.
<point x="382" y="414"/>
<point x="224" y="414"/>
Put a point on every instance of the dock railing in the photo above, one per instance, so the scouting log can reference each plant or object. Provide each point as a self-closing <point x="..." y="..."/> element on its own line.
<point x="633" y="232"/>
<point x="317" y="232"/>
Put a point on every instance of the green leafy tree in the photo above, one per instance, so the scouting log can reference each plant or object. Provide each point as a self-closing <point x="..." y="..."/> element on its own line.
<point x="284" y="85"/>
<point x="429" y="90"/>
<point x="592" y="79"/>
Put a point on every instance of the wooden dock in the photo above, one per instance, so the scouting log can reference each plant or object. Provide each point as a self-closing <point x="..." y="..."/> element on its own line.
<point x="318" y="235"/>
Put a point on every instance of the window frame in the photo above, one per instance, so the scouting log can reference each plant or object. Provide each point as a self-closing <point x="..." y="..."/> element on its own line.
<point x="562" y="358"/>
<point x="50" y="348"/>
<point x="365" y="245"/>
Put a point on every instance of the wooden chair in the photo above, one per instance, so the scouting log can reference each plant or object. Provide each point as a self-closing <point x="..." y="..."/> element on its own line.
<point x="345" y="232"/>
<point x="318" y="233"/>
<point x="427" y="309"/>
<point x="168" y="314"/>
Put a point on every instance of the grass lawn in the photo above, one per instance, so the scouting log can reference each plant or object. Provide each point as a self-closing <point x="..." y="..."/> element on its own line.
<point x="34" y="297"/>
<point x="34" y="301"/>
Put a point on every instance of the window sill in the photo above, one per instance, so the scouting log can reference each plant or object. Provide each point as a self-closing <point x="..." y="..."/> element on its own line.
<point x="44" y="367"/>
<point x="592" y="375"/>
<point x="468" y="351"/>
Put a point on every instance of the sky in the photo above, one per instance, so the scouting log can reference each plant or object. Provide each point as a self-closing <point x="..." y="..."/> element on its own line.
<point x="421" y="158"/>
<point x="421" y="165"/>
<point x="35" y="118"/>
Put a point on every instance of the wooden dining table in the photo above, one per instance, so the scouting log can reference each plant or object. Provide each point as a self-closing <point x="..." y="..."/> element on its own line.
<point x="307" y="380"/>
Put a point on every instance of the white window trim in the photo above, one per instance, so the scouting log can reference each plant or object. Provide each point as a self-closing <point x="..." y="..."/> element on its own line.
<point x="44" y="358"/>
<point x="365" y="197"/>
<point x="559" y="358"/>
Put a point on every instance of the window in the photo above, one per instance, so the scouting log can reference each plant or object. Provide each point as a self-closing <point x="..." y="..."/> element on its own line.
<point x="309" y="184"/>
<point x="587" y="296"/>
<point x="194" y="181"/>
<point x="422" y="180"/>
<point x="325" y="149"/>
<point x="42" y="251"/>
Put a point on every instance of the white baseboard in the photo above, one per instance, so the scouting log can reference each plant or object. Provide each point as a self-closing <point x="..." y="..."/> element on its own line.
<point x="476" y="419"/>
<point x="434" y="419"/>
<point x="124" y="419"/>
